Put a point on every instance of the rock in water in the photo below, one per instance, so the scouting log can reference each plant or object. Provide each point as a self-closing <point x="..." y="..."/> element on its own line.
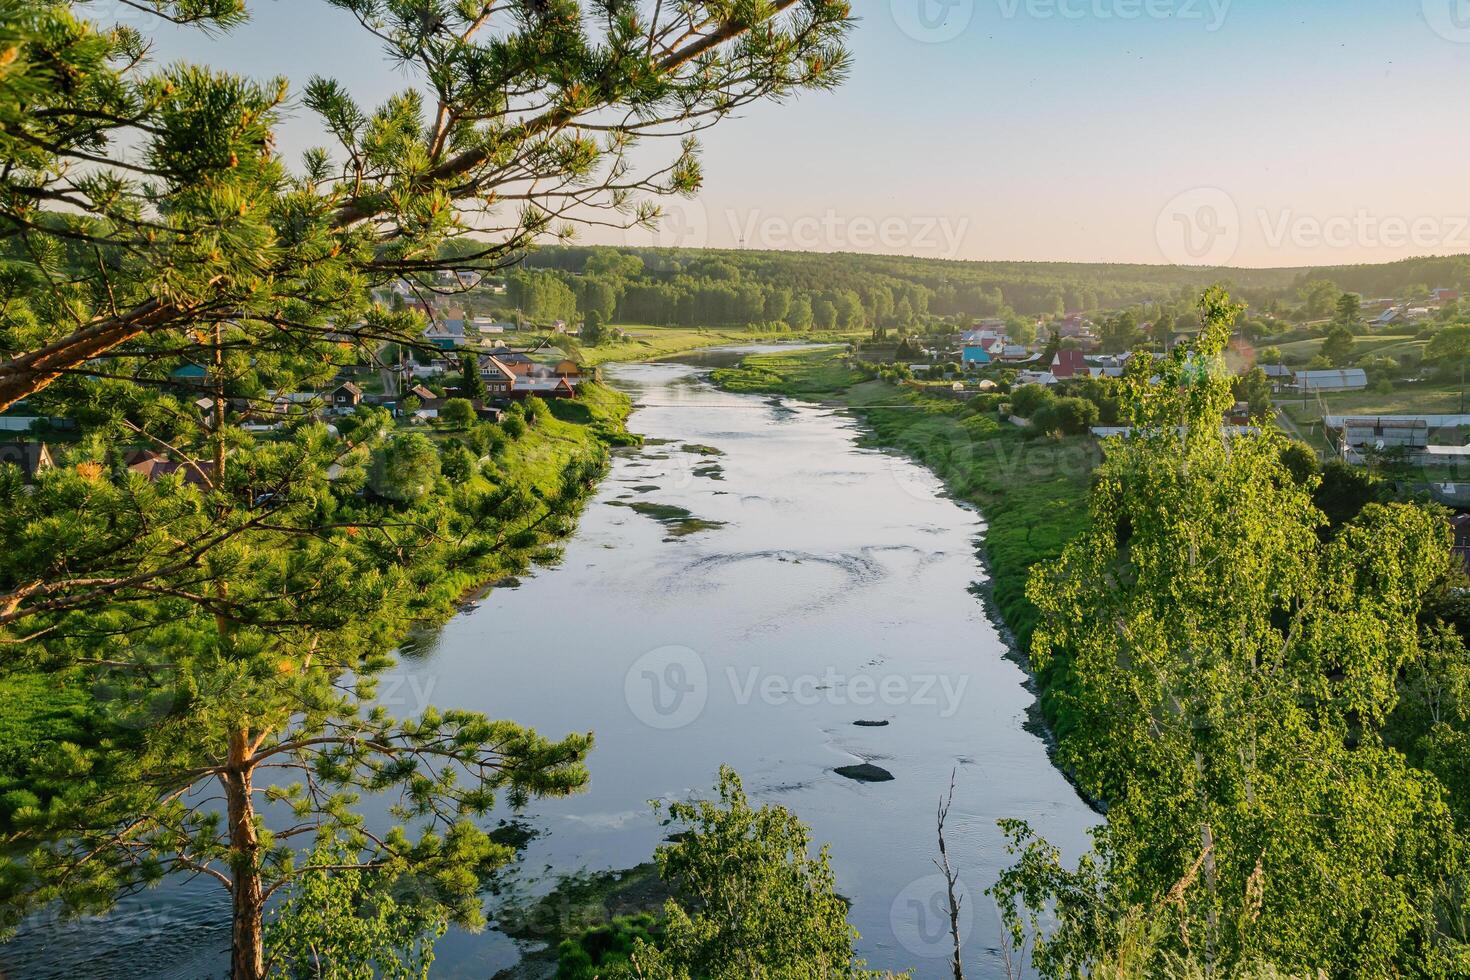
<point x="865" y="773"/>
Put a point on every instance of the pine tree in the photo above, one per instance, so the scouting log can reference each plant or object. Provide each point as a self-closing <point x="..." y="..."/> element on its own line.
<point x="228" y="612"/>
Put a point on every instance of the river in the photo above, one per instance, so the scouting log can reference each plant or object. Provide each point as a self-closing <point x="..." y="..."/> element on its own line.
<point x="821" y="583"/>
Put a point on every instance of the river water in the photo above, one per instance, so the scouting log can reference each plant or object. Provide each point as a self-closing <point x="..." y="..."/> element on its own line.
<point x="825" y="584"/>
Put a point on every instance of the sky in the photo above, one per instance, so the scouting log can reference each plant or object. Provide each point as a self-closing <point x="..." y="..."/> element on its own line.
<point x="1261" y="133"/>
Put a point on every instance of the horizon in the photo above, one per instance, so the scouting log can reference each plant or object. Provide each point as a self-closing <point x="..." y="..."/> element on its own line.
<point x="1005" y="261"/>
<point x="1116" y="148"/>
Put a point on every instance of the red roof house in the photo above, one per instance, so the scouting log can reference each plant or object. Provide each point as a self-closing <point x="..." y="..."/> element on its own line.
<point x="1069" y="363"/>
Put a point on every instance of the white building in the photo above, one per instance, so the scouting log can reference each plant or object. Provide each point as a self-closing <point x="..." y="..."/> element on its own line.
<point x="1346" y="379"/>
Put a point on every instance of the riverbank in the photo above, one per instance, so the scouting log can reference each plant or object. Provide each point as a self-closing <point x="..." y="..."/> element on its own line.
<point x="1031" y="493"/>
<point x="646" y="343"/>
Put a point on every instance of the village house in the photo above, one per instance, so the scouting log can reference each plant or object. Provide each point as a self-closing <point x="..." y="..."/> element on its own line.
<point x="1069" y="364"/>
<point x="1382" y="432"/>
<point x="346" y="396"/>
<point x="1387" y="318"/>
<point x="293" y="402"/>
<point x="975" y="355"/>
<point x="1346" y="379"/>
<point x="155" y="466"/>
<point x="445" y="334"/>
<point x="543" y="388"/>
<point x="518" y="362"/>
<point x="30" y="457"/>
<point x="499" y="377"/>
<point x="487" y="413"/>
<point x="1279" y="375"/>
<point x="189" y="372"/>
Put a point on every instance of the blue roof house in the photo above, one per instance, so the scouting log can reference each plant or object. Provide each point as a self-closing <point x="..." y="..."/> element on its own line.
<point x="445" y="334"/>
<point x="974" y="354"/>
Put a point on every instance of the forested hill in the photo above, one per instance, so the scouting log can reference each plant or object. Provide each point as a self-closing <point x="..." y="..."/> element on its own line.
<point x="665" y="289"/>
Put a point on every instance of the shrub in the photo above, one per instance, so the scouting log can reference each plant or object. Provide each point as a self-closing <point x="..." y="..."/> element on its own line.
<point x="591" y="954"/>
<point x="1027" y="400"/>
<point x="1071" y="416"/>
<point x="457" y="412"/>
<point x="404" y="468"/>
<point x="456" y="462"/>
<point x="535" y="409"/>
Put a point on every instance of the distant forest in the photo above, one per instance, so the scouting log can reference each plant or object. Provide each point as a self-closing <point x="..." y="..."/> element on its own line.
<point x="805" y="290"/>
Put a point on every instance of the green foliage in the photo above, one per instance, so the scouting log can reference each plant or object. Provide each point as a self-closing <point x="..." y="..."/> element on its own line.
<point x="404" y="469"/>
<point x="603" y="950"/>
<point x="456" y="462"/>
<point x="354" y="924"/>
<point x="592" y="328"/>
<point x="1337" y="347"/>
<point x="458" y="412"/>
<point x="227" y="604"/>
<point x="1231" y="675"/>
<point x="1450" y="345"/>
<point x="471" y="382"/>
<point x="1254" y="388"/>
<point x="1069" y="415"/>
<point x="753" y="901"/>
<point x="1027" y="400"/>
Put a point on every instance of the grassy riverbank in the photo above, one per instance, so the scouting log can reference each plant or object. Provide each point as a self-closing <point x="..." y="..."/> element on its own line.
<point x="1031" y="492"/>
<point x="645" y="343"/>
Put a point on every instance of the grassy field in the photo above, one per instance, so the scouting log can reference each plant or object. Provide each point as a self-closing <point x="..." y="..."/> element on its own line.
<point x="646" y="342"/>
<point x="1420" y="398"/>
<point x="1302" y="351"/>
<point x="1031" y="492"/>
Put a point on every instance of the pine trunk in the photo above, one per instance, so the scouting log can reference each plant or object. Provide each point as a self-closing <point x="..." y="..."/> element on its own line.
<point x="248" y="949"/>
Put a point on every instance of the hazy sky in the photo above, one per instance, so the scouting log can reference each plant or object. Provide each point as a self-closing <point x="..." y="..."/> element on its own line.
<point x="1244" y="132"/>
